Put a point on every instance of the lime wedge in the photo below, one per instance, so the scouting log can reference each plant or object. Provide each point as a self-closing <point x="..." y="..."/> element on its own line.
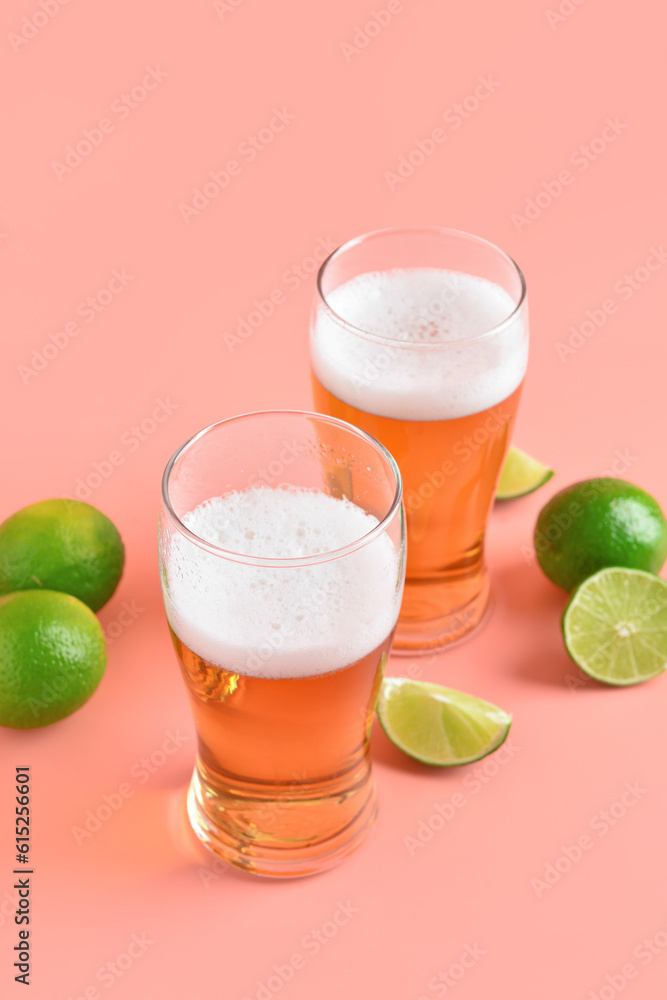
<point x="438" y="725"/>
<point x="615" y="626"/>
<point x="521" y="474"/>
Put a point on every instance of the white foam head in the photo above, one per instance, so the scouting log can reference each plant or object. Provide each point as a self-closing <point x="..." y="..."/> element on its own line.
<point x="289" y="621"/>
<point x="416" y="309"/>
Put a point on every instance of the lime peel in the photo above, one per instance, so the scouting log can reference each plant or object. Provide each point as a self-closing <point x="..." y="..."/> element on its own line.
<point x="521" y="474"/>
<point x="597" y="523"/>
<point x="52" y="657"/>
<point x="61" y="545"/>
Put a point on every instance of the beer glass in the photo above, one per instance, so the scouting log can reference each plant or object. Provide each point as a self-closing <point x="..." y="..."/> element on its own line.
<point x="282" y="565"/>
<point x="420" y="337"/>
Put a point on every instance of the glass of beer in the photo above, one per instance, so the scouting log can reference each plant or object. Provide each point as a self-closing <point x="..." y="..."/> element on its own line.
<point x="420" y="337"/>
<point x="282" y="560"/>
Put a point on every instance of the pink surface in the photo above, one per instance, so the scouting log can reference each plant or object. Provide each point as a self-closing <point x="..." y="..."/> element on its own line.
<point x="168" y="354"/>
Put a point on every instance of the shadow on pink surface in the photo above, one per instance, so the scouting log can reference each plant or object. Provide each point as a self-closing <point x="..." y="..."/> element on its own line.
<point x="149" y="837"/>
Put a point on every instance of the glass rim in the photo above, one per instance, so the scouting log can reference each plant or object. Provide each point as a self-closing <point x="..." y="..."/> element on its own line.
<point x="296" y="561"/>
<point x="416" y="345"/>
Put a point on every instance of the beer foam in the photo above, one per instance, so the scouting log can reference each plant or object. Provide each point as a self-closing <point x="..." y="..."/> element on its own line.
<point x="418" y="309"/>
<point x="281" y="621"/>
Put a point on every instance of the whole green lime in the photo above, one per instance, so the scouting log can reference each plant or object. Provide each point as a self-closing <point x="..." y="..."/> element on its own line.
<point x="52" y="657"/>
<point x="61" y="545"/>
<point x="598" y="523"/>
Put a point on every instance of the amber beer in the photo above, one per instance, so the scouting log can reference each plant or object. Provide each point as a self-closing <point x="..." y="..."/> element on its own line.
<point x="450" y="470"/>
<point x="308" y="736"/>
<point x="410" y="355"/>
<point x="282" y="602"/>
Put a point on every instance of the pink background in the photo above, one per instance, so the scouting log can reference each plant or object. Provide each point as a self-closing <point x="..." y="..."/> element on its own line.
<point x="223" y="70"/>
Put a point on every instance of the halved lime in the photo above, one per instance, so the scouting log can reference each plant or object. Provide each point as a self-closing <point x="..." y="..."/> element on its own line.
<point x="438" y="725"/>
<point x="615" y="626"/>
<point x="521" y="474"/>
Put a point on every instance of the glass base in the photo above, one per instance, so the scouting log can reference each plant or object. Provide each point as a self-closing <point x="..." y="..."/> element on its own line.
<point x="415" y="636"/>
<point x="277" y="854"/>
